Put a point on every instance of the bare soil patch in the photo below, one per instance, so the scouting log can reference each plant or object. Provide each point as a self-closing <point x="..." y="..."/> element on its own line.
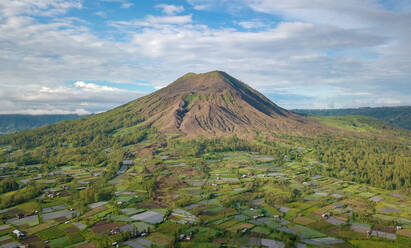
<point x="104" y="227"/>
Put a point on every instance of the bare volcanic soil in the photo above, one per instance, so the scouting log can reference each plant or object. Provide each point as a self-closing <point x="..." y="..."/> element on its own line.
<point x="216" y="104"/>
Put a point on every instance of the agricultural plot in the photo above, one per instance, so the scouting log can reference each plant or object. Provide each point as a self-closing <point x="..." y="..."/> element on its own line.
<point x="138" y="243"/>
<point x="11" y="244"/>
<point x="131" y="211"/>
<point x="327" y="241"/>
<point x="29" y="221"/>
<point x="53" y="208"/>
<point x="139" y="227"/>
<point x="151" y="217"/>
<point x="4" y="227"/>
<point x="223" y="199"/>
<point x="183" y="217"/>
<point x="97" y="204"/>
<point x="384" y="235"/>
<point x="58" y="214"/>
<point x="79" y="225"/>
<point x="272" y="243"/>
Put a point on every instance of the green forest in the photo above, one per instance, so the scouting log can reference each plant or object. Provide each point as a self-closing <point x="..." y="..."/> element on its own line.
<point x="396" y="116"/>
<point x="273" y="187"/>
<point x="14" y="123"/>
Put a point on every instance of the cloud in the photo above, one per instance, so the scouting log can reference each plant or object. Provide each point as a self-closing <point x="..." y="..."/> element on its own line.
<point x="170" y="9"/>
<point x="252" y="24"/>
<point x="10" y="8"/>
<point x="51" y="111"/>
<point x="153" y="21"/>
<point x="80" y="97"/>
<point x="346" y="14"/>
<point x="94" y="87"/>
<point x="124" y="4"/>
<point x="200" y="7"/>
<point x="102" y="14"/>
<point x="230" y="6"/>
<point x="359" y="60"/>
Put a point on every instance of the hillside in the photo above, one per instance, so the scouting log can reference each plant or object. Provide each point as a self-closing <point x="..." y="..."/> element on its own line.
<point x="215" y="104"/>
<point x="396" y="116"/>
<point x="209" y="106"/>
<point x="14" y="122"/>
<point x="207" y="162"/>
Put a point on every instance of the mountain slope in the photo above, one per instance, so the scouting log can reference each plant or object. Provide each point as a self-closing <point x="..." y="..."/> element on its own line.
<point x="211" y="104"/>
<point x="14" y="123"/>
<point x="215" y="104"/>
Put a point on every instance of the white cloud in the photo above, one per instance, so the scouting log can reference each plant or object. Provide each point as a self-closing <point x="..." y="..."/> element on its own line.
<point x="170" y="9"/>
<point x="370" y="60"/>
<point x="230" y="6"/>
<point x="102" y="14"/>
<point x="94" y="87"/>
<point x="200" y="7"/>
<point x="51" y="111"/>
<point x="80" y="97"/>
<point x="125" y="4"/>
<point x="37" y="7"/>
<point x="153" y="21"/>
<point x="252" y="24"/>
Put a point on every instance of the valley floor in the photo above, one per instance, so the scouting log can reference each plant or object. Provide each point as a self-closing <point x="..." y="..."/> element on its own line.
<point x="227" y="199"/>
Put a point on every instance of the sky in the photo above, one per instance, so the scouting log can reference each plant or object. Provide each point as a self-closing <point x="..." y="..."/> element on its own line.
<point x="88" y="56"/>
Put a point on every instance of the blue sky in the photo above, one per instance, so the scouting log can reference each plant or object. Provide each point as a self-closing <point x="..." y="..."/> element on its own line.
<point x="79" y="56"/>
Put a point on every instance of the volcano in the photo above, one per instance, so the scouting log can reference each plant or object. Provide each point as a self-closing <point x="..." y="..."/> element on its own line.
<point x="215" y="104"/>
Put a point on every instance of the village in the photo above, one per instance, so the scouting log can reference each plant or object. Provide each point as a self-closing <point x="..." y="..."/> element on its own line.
<point x="229" y="199"/>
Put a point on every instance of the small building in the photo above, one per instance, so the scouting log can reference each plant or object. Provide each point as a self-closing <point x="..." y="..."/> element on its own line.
<point x="114" y="231"/>
<point x="189" y="236"/>
<point x="18" y="233"/>
<point x="52" y="194"/>
<point x="20" y="216"/>
<point x="258" y="216"/>
<point x="325" y="215"/>
<point x="127" y="162"/>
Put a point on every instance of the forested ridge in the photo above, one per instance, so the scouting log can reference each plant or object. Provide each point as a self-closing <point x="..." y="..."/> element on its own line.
<point x="97" y="141"/>
<point x="77" y="163"/>
<point x="15" y="122"/>
<point x="396" y="116"/>
<point x="379" y="163"/>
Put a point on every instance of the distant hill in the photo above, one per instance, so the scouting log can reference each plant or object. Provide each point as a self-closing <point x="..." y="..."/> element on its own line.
<point x="396" y="116"/>
<point x="13" y="123"/>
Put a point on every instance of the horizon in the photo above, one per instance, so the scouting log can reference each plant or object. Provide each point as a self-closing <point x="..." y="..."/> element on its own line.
<point x="94" y="113"/>
<point x="83" y="57"/>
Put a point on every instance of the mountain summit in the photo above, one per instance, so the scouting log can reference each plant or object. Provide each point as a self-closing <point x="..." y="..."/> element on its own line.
<point x="214" y="104"/>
